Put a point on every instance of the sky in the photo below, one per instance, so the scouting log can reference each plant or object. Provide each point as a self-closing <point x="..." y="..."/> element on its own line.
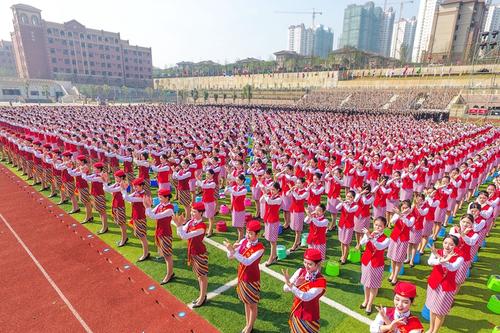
<point x="196" y="30"/>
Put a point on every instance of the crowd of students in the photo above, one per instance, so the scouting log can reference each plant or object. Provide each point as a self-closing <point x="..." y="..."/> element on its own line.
<point x="344" y="176"/>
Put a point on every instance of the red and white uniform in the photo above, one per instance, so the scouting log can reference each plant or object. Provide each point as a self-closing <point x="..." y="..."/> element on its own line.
<point x="372" y="260"/>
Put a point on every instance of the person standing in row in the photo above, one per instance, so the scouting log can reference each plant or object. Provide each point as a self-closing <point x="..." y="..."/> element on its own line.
<point x="138" y="213"/>
<point x="117" y="204"/>
<point x="163" y="213"/>
<point x="97" y="192"/>
<point x="194" y="231"/>
<point x="248" y="253"/>
<point x="307" y="286"/>
<point x="442" y="284"/>
<point x="208" y="188"/>
<point x="372" y="261"/>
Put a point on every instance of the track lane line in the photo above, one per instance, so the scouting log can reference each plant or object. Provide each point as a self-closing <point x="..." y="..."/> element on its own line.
<point x="47" y="276"/>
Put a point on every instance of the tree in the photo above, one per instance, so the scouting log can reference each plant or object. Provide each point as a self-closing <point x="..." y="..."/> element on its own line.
<point x="194" y="95"/>
<point x="234" y="96"/>
<point x="224" y="96"/>
<point x="216" y="97"/>
<point x="105" y="90"/>
<point x="247" y="92"/>
<point x="205" y="95"/>
<point x="46" y="91"/>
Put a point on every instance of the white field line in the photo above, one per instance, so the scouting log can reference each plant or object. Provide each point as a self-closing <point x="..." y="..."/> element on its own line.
<point x="280" y="277"/>
<point x="49" y="279"/>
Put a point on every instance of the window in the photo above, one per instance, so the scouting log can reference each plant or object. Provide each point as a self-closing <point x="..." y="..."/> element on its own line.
<point x="34" y="93"/>
<point x="106" y="48"/>
<point x="11" y="92"/>
<point x="24" y="19"/>
<point x="71" y="43"/>
<point x="88" y="36"/>
<point x="86" y="72"/>
<point x="117" y="49"/>
<point x="101" y="47"/>
<point x="118" y="57"/>
<point x="99" y="38"/>
<point x="103" y="65"/>
<point x="108" y="56"/>
<point x="84" y="53"/>
<point x="51" y="41"/>
<point x="54" y="69"/>
<point x="54" y="60"/>
<point x="68" y="70"/>
<point x="75" y="71"/>
<point x="64" y="42"/>
<point x="72" y="52"/>
<point x="52" y="51"/>
<point x="49" y="31"/>
<point x="65" y="52"/>
<point x="73" y="62"/>
<point x="82" y="36"/>
<point x="82" y="44"/>
<point x="92" y="63"/>
<point x="62" y="33"/>
<point x="109" y="65"/>
<point x="110" y="74"/>
<point x="66" y="61"/>
<point x="91" y="72"/>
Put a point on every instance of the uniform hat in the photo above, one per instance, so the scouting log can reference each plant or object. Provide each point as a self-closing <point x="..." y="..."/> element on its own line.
<point x="199" y="206"/>
<point x="99" y="165"/>
<point x="406" y="289"/>
<point x="56" y="151"/>
<point x="81" y="158"/>
<point x="253" y="225"/>
<point x="47" y="145"/>
<point x="120" y="173"/>
<point x="138" y="181"/>
<point x="313" y="255"/>
<point x="67" y="153"/>
<point x="38" y="143"/>
<point x="164" y="192"/>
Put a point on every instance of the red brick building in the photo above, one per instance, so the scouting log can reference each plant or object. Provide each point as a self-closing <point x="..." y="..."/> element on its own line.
<point x="70" y="51"/>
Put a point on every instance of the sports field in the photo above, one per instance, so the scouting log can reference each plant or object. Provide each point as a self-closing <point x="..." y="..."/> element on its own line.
<point x="340" y="310"/>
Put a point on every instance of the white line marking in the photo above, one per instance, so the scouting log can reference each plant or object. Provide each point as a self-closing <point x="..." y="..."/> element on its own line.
<point x="219" y="290"/>
<point x="324" y="299"/>
<point x="52" y="283"/>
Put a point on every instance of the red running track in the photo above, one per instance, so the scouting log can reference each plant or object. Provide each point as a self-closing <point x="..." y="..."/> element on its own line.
<point x="85" y="288"/>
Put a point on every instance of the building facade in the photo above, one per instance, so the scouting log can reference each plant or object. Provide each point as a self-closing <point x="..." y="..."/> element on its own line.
<point x="403" y="36"/>
<point x="300" y="39"/>
<point x="426" y="17"/>
<point x="386" y="28"/>
<point x="7" y="59"/>
<point x="323" y="42"/>
<point x="367" y="27"/>
<point x="492" y="22"/>
<point x="455" y="34"/>
<point x="70" y="51"/>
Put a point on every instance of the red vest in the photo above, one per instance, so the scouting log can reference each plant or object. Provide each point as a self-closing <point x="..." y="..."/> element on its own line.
<point x="308" y="311"/>
<point x="163" y="226"/>
<point x="195" y="244"/>
<point x="412" y="322"/>
<point x="250" y="273"/>
<point x="464" y="248"/>
<point x="96" y="188"/>
<point x="272" y="212"/>
<point x="334" y="189"/>
<point x="163" y="176"/>
<point x="183" y="183"/>
<point x="118" y="201"/>
<point x="371" y="254"/>
<point x="80" y="182"/>
<point x="138" y="210"/>
<point x="238" y="201"/>
<point x="144" y="172"/>
<point x="380" y="198"/>
<point x="346" y="219"/>
<point x="208" y="193"/>
<point x="297" y="206"/>
<point x="317" y="235"/>
<point x="401" y="230"/>
<point x="363" y="210"/>
<point x="441" y="276"/>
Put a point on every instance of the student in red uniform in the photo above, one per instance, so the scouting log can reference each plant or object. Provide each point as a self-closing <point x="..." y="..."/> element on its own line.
<point x="299" y="196"/>
<point x="442" y="285"/>
<point x="394" y="184"/>
<point x="467" y="239"/>
<point x="346" y="224"/>
<point x="432" y="203"/>
<point x="97" y="192"/>
<point x="380" y="192"/>
<point x="398" y="319"/>
<point x="248" y="252"/>
<point x="163" y="213"/>
<point x="82" y="186"/>
<point x="164" y="171"/>
<point x="238" y="193"/>
<point x="334" y="184"/>
<point x="372" y="261"/>
<point x="286" y="179"/>
<point x="183" y="174"/>
<point x="272" y="201"/>
<point x="194" y="231"/>
<point x="208" y="187"/>
<point x="307" y="286"/>
<point x="117" y="204"/>
<point x="316" y="190"/>
<point x="69" y="181"/>
<point x="364" y="199"/>
<point x="420" y="210"/>
<point x="317" y="229"/>
<point x="400" y="236"/>
<point x="138" y="213"/>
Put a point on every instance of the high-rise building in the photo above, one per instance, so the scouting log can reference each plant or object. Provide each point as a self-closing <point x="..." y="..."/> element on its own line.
<point x="386" y="28"/>
<point x="300" y="39"/>
<point x="492" y="22"/>
<point x="323" y="42"/>
<point x="456" y="31"/>
<point x="70" y="51"/>
<point x="307" y="41"/>
<point x="366" y="27"/>
<point x="425" y="21"/>
<point x="7" y="59"/>
<point x="403" y="36"/>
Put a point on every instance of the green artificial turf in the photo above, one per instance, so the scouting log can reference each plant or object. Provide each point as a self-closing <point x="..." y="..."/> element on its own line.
<point x="226" y="312"/>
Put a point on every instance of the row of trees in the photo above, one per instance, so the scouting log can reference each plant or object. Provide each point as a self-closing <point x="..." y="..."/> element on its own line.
<point x="106" y="92"/>
<point x="246" y="93"/>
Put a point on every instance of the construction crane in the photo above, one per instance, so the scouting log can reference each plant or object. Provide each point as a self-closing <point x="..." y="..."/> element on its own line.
<point x="313" y="13"/>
